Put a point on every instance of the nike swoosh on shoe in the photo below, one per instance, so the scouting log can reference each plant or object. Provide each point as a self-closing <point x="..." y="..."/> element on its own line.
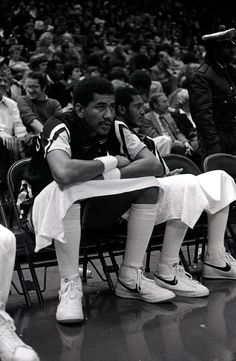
<point x="134" y="290"/>
<point x="169" y="282"/>
<point x="226" y="268"/>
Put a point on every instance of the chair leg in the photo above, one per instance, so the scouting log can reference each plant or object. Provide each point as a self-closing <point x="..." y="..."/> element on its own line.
<point x="106" y="270"/>
<point x="23" y="285"/>
<point x="183" y="261"/>
<point x="148" y="259"/>
<point x="35" y="279"/>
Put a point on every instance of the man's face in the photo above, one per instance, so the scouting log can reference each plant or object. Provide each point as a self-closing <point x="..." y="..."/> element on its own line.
<point x="162" y="104"/>
<point x="136" y="112"/>
<point x="5" y="68"/>
<point x="33" y="89"/>
<point x="99" y="114"/>
<point x="224" y="55"/>
<point x="3" y="84"/>
<point x="43" y="67"/>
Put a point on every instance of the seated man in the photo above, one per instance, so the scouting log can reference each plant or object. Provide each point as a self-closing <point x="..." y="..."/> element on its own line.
<point x="12" y="348"/>
<point x="83" y="152"/>
<point x="159" y="122"/>
<point x="73" y="152"/>
<point x="35" y="107"/>
<point x="12" y="131"/>
<point x="129" y="110"/>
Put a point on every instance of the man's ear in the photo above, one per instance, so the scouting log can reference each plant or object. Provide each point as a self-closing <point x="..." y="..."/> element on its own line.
<point x="79" y="109"/>
<point x="121" y="109"/>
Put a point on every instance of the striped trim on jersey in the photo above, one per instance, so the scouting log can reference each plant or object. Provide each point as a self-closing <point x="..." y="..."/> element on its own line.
<point x="51" y="132"/>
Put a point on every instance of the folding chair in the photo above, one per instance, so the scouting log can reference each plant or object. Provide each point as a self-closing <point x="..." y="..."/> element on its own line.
<point x="197" y="236"/>
<point x="226" y="162"/>
<point x="24" y="243"/>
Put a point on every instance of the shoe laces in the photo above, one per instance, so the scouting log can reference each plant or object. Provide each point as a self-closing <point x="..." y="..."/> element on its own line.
<point x="181" y="273"/>
<point x="229" y="257"/>
<point x="140" y="277"/>
<point x="70" y="290"/>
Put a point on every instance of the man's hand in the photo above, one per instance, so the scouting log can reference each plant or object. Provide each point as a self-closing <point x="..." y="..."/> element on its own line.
<point x="189" y="148"/>
<point x="7" y="140"/>
<point x="176" y="171"/>
<point x="122" y="161"/>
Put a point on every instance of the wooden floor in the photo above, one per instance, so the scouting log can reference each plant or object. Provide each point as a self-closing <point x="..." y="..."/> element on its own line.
<point x="128" y="330"/>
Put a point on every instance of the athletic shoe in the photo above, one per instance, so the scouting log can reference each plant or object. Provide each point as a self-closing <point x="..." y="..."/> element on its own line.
<point x="70" y="309"/>
<point x="11" y="346"/>
<point x="182" y="283"/>
<point x="132" y="284"/>
<point x="226" y="271"/>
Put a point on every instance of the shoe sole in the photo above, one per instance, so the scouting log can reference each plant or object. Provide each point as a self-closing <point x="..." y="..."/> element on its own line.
<point x="71" y="321"/>
<point x="122" y="294"/>
<point x="185" y="293"/>
<point x="190" y="295"/>
<point x="219" y="278"/>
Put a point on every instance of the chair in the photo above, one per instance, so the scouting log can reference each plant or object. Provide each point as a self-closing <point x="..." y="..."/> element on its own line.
<point x="174" y="161"/>
<point x="226" y="162"/>
<point x="24" y="243"/>
<point x="195" y="237"/>
<point x="97" y="240"/>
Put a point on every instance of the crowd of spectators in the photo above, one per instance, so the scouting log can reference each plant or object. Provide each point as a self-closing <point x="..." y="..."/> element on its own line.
<point x="152" y="46"/>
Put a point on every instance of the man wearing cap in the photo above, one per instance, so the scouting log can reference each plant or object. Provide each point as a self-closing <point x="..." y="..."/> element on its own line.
<point x="213" y="95"/>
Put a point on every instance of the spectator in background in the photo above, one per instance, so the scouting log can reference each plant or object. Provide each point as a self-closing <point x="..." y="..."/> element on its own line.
<point x="141" y="81"/>
<point x="45" y="45"/>
<point x="39" y="62"/>
<point x="118" y="77"/>
<point x="14" y="87"/>
<point x="159" y="122"/>
<point x="56" y="89"/>
<point x="140" y="59"/>
<point x="35" y="107"/>
<point x="166" y="71"/>
<point x="28" y="40"/>
<point x="72" y="75"/>
<point x="12" y="131"/>
<point x="17" y="63"/>
<point x="118" y="57"/>
<point x="67" y="51"/>
<point x="213" y="95"/>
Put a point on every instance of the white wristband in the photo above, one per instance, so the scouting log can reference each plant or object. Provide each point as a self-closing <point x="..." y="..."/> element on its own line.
<point x="112" y="174"/>
<point x="108" y="161"/>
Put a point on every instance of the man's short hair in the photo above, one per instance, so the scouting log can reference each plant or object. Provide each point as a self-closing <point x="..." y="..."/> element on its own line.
<point x="124" y="96"/>
<point x="140" y="79"/>
<point x="85" y="89"/>
<point x="155" y="99"/>
<point x="36" y="60"/>
<point x="38" y="75"/>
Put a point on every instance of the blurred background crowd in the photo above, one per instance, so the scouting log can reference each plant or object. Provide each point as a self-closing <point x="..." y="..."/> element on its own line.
<point x="154" y="46"/>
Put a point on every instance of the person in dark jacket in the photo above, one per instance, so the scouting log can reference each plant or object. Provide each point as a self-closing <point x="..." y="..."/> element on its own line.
<point x="213" y="95"/>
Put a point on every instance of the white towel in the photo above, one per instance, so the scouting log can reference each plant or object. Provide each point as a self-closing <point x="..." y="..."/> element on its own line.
<point x="51" y="205"/>
<point x="182" y="197"/>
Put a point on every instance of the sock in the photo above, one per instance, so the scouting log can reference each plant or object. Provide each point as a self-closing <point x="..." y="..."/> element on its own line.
<point x="140" y="226"/>
<point x="174" y="235"/>
<point x="68" y="253"/>
<point x="216" y="232"/>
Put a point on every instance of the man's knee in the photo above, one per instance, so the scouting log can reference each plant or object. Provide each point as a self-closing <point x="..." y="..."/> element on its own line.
<point x="148" y="195"/>
<point x="7" y="242"/>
